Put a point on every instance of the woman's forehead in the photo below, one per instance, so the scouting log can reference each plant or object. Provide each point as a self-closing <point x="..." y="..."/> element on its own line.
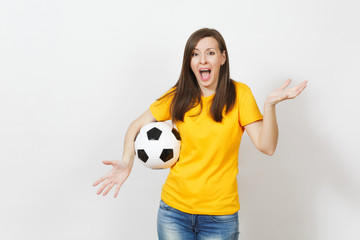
<point x="207" y="43"/>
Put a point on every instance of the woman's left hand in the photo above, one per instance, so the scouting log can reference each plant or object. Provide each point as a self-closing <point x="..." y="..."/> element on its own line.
<point x="280" y="94"/>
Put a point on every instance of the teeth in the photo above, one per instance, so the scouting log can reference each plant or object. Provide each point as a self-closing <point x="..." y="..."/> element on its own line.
<point x="204" y="70"/>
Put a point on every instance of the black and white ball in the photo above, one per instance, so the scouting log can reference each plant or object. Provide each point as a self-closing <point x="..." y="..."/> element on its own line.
<point x="157" y="145"/>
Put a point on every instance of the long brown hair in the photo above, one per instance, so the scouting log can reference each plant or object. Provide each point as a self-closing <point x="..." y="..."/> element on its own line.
<point x="187" y="92"/>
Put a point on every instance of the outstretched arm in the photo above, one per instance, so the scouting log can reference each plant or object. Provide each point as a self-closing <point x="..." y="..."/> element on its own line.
<point x="264" y="133"/>
<point x="121" y="169"/>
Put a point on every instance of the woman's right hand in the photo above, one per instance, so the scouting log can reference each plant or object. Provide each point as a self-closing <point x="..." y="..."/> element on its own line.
<point x="115" y="177"/>
<point x="121" y="169"/>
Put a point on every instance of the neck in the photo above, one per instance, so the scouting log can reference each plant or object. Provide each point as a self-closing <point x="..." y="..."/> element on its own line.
<point x="205" y="92"/>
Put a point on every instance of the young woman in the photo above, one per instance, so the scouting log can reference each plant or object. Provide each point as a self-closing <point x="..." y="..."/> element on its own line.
<point x="199" y="199"/>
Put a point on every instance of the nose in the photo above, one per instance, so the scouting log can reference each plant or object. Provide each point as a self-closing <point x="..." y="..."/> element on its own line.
<point x="203" y="59"/>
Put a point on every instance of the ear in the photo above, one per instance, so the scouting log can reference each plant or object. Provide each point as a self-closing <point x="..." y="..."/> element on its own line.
<point x="223" y="57"/>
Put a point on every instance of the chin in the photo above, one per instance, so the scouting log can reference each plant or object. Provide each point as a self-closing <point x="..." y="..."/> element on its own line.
<point x="207" y="84"/>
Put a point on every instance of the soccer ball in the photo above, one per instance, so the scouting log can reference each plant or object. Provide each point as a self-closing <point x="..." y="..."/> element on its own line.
<point x="157" y="145"/>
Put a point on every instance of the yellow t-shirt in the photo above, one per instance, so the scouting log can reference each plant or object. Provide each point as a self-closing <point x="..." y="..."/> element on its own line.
<point x="203" y="181"/>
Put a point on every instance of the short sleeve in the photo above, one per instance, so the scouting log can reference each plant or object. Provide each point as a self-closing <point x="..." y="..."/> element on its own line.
<point x="160" y="109"/>
<point x="248" y="109"/>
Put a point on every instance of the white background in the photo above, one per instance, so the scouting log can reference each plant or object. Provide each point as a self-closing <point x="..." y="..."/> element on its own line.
<point x="74" y="74"/>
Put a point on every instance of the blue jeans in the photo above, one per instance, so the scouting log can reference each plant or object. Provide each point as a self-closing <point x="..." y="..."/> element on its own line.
<point x="173" y="224"/>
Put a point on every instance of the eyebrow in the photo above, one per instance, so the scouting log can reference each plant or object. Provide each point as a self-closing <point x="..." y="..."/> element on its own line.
<point x="205" y="49"/>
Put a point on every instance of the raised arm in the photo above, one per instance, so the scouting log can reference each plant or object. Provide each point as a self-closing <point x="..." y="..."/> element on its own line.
<point x="264" y="134"/>
<point x="121" y="169"/>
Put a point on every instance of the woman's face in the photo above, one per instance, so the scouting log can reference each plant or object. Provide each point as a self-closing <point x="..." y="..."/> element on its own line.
<point x="206" y="61"/>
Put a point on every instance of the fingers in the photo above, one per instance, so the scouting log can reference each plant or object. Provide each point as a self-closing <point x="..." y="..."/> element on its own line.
<point x="117" y="190"/>
<point x="99" y="181"/>
<point x="110" y="186"/>
<point x="302" y="87"/>
<point x="108" y="162"/>
<point x="294" y="92"/>
<point x="107" y="187"/>
<point x="110" y="179"/>
<point x="103" y="187"/>
<point x="285" y="84"/>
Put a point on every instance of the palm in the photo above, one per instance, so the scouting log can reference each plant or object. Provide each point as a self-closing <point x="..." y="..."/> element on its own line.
<point x="115" y="177"/>
<point x="283" y="93"/>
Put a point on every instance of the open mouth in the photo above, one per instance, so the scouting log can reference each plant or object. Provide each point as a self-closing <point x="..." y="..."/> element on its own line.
<point x="205" y="74"/>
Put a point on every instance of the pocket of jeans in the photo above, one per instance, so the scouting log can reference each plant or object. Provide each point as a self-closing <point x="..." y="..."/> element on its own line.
<point x="164" y="205"/>
<point x="225" y="218"/>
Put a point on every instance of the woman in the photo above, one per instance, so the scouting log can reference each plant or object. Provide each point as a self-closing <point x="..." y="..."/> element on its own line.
<point x="199" y="199"/>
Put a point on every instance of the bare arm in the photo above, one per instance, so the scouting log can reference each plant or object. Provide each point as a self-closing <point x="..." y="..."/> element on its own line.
<point x="121" y="169"/>
<point x="264" y="134"/>
<point x="133" y="130"/>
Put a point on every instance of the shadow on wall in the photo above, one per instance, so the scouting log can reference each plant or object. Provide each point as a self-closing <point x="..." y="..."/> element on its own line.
<point x="289" y="195"/>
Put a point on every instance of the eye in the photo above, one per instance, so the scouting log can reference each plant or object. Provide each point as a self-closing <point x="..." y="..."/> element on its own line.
<point x="194" y="54"/>
<point x="211" y="53"/>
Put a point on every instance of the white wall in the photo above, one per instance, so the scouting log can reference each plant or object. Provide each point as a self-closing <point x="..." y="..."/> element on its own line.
<point x="75" y="73"/>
